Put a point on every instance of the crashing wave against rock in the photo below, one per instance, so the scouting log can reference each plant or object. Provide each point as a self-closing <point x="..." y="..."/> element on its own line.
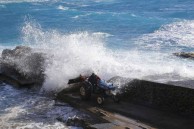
<point x="23" y="64"/>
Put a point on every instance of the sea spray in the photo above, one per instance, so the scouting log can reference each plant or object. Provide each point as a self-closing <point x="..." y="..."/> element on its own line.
<point x="72" y="54"/>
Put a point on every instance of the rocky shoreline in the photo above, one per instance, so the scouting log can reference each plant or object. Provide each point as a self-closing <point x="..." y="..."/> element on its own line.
<point x="163" y="97"/>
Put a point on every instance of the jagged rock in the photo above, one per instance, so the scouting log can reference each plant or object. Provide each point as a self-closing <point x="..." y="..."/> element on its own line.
<point x="75" y="121"/>
<point x="19" y="51"/>
<point x="184" y="55"/>
<point x="23" y="64"/>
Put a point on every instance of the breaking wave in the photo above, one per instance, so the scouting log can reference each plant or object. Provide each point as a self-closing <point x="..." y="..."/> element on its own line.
<point x="171" y="36"/>
<point x="72" y="54"/>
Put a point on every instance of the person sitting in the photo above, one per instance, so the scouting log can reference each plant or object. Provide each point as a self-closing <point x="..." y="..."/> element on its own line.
<point x="93" y="79"/>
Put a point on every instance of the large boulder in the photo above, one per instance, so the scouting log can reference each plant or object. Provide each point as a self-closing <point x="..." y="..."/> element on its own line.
<point x="23" y="64"/>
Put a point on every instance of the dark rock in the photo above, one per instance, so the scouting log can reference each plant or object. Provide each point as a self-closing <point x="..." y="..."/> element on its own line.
<point x="17" y="52"/>
<point x="184" y="55"/>
<point x="75" y="121"/>
<point x="23" y="65"/>
<point x="6" y="53"/>
<point x="70" y="89"/>
<point x="60" y="119"/>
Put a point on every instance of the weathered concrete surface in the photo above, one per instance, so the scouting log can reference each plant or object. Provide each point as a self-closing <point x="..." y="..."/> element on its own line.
<point x="161" y="96"/>
<point x="128" y="115"/>
<point x="105" y="119"/>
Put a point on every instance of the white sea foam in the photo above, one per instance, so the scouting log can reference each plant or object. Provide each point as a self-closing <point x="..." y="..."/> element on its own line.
<point x="12" y="113"/>
<point x="171" y="36"/>
<point x="72" y="54"/>
<point x="133" y="15"/>
<point x="80" y="16"/>
<point x="21" y="109"/>
<point x="7" y="120"/>
<point x="60" y="7"/>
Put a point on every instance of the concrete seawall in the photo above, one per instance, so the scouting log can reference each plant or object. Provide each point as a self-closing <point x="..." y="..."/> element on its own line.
<point x="161" y="96"/>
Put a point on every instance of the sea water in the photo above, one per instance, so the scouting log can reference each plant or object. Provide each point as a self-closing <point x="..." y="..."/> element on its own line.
<point x="127" y="38"/>
<point x="27" y="109"/>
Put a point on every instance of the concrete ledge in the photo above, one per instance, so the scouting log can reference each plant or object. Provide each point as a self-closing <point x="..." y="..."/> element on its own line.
<point x="161" y="96"/>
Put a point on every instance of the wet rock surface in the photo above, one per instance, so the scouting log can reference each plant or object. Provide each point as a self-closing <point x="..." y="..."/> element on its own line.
<point x="19" y="51"/>
<point x="22" y="65"/>
<point x="184" y="55"/>
<point x="75" y="121"/>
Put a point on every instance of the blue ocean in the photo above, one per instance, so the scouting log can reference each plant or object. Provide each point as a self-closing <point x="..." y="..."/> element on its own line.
<point x="127" y="38"/>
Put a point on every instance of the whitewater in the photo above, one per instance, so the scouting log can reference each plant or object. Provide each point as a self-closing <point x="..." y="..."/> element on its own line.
<point x="132" y="39"/>
<point x="84" y="52"/>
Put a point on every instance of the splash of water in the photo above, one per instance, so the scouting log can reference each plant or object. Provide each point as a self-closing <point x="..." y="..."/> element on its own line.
<point x="69" y="55"/>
